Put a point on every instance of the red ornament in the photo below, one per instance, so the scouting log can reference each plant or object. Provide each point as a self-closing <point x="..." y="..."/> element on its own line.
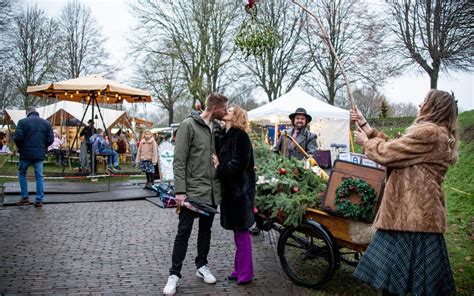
<point x="282" y="171"/>
<point x="280" y="214"/>
<point x="198" y="106"/>
<point x="295" y="189"/>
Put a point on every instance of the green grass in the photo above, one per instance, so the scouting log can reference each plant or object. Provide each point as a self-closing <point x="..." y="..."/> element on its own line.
<point x="459" y="189"/>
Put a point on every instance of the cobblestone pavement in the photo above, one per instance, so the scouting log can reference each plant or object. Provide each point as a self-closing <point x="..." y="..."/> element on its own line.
<point x="119" y="247"/>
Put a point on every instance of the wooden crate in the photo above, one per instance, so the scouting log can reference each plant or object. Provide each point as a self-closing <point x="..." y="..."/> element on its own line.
<point x="344" y="170"/>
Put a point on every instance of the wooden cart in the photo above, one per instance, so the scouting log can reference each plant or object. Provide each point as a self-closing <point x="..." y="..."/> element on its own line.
<point x="310" y="252"/>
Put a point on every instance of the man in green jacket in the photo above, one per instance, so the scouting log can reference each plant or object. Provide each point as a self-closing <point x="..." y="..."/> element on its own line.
<point x="195" y="178"/>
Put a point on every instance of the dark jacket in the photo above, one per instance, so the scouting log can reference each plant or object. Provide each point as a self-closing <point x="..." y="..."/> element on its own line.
<point x="237" y="175"/>
<point x="32" y="136"/>
<point x="306" y="139"/>
<point x="194" y="174"/>
<point x="87" y="133"/>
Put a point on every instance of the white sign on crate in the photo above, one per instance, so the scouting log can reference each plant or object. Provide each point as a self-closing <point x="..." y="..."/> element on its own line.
<point x="165" y="160"/>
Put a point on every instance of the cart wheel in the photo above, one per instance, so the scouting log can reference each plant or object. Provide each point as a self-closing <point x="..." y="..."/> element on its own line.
<point x="307" y="255"/>
<point x="349" y="256"/>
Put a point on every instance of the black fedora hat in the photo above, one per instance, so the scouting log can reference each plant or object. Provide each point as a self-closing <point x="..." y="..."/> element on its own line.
<point x="301" y="111"/>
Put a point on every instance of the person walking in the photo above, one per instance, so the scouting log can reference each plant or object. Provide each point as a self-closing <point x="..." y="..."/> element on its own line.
<point x="147" y="157"/>
<point x="235" y="170"/>
<point x="195" y="178"/>
<point x="408" y="252"/>
<point x="32" y="137"/>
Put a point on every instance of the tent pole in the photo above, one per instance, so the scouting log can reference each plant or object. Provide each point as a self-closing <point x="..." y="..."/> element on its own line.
<point x="82" y="121"/>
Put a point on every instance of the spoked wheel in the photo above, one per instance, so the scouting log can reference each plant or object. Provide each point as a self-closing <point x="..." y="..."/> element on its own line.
<point x="350" y="257"/>
<point x="307" y="255"/>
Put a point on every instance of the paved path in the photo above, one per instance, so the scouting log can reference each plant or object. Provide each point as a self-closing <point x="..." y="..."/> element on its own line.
<point x="118" y="247"/>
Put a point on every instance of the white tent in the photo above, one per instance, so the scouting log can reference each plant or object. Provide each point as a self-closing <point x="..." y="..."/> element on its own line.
<point x="76" y="110"/>
<point x="330" y="123"/>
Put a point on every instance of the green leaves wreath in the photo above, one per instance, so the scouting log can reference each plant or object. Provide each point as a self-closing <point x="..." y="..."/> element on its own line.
<point x="362" y="211"/>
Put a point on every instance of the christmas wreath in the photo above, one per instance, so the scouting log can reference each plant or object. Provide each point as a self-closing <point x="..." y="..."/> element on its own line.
<point x="357" y="211"/>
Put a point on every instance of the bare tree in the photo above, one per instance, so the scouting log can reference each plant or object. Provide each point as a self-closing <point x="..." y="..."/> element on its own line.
<point x="83" y="50"/>
<point x="200" y="33"/>
<point x="403" y="109"/>
<point x="435" y="34"/>
<point x="7" y="94"/>
<point x="33" y="52"/>
<point x="163" y="75"/>
<point x="280" y="68"/>
<point x="368" y="101"/>
<point x="358" y="38"/>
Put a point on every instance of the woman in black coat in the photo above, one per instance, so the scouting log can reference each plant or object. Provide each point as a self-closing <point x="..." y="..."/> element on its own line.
<point x="235" y="169"/>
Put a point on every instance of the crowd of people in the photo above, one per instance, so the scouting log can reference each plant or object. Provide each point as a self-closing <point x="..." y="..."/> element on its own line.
<point x="214" y="165"/>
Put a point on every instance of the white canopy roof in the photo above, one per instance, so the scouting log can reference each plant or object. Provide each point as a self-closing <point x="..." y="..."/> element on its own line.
<point x="76" y="110"/>
<point x="330" y="123"/>
<point x="280" y="108"/>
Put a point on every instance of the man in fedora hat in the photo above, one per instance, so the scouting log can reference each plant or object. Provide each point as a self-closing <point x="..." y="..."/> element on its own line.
<point x="306" y="139"/>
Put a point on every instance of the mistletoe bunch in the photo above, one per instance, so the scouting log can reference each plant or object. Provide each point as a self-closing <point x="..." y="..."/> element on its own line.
<point x="255" y="37"/>
<point x="363" y="211"/>
<point x="285" y="189"/>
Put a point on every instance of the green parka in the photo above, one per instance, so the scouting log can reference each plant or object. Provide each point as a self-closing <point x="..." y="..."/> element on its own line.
<point x="194" y="174"/>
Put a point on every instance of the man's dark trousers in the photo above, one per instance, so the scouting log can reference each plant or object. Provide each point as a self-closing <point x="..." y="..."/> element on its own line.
<point x="185" y="226"/>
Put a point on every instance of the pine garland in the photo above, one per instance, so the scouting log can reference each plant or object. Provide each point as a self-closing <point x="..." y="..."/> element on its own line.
<point x="362" y="211"/>
<point x="285" y="189"/>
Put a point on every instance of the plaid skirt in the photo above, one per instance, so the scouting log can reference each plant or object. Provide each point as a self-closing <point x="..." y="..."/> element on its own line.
<point x="403" y="262"/>
<point x="147" y="166"/>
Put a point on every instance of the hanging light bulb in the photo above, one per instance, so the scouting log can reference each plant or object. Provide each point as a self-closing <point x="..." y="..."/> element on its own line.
<point x="88" y="98"/>
<point x="98" y="93"/>
<point x="77" y="92"/>
<point x="107" y="98"/>
<point x="65" y="93"/>
<point x="71" y="96"/>
<point x="116" y="95"/>
<point x="120" y="98"/>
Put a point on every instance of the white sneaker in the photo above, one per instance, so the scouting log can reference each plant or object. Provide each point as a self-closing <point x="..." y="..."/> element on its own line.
<point x="170" y="288"/>
<point x="204" y="273"/>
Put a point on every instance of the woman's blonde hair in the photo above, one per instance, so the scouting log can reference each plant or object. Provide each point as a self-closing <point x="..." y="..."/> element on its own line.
<point x="240" y="118"/>
<point x="441" y="108"/>
<point x="146" y="131"/>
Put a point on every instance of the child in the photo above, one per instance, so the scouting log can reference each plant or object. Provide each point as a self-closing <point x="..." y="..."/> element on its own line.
<point x="147" y="156"/>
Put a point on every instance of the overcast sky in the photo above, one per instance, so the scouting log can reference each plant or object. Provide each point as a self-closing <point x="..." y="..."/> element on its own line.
<point x="114" y="18"/>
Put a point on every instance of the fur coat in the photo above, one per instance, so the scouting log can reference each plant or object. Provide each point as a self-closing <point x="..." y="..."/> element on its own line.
<point x="237" y="175"/>
<point x="416" y="164"/>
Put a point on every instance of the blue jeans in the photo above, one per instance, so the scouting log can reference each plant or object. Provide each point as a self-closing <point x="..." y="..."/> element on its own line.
<point x="133" y="148"/>
<point x="112" y="156"/>
<point x="38" y="166"/>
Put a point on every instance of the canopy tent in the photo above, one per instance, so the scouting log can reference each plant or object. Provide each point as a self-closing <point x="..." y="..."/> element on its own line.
<point x="330" y="123"/>
<point x="71" y="110"/>
<point x="76" y="89"/>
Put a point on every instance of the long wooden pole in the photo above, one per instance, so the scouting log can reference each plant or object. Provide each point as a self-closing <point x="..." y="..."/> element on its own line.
<point x="325" y="37"/>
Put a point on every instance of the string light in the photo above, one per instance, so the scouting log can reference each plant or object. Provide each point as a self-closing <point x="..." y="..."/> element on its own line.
<point x="65" y="93"/>
<point x="98" y="93"/>
<point x="107" y="98"/>
<point x="71" y="96"/>
<point x="77" y="92"/>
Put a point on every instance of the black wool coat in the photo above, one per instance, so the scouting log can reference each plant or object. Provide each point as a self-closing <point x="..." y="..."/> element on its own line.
<point x="237" y="175"/>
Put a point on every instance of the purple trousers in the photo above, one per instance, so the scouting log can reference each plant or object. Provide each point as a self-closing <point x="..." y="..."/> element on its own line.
<point x="243" y="265"/>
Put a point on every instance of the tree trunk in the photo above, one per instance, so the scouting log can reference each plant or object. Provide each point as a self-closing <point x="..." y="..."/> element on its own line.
<point x="434" y="79"/>
<point x="170" y="115"/>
